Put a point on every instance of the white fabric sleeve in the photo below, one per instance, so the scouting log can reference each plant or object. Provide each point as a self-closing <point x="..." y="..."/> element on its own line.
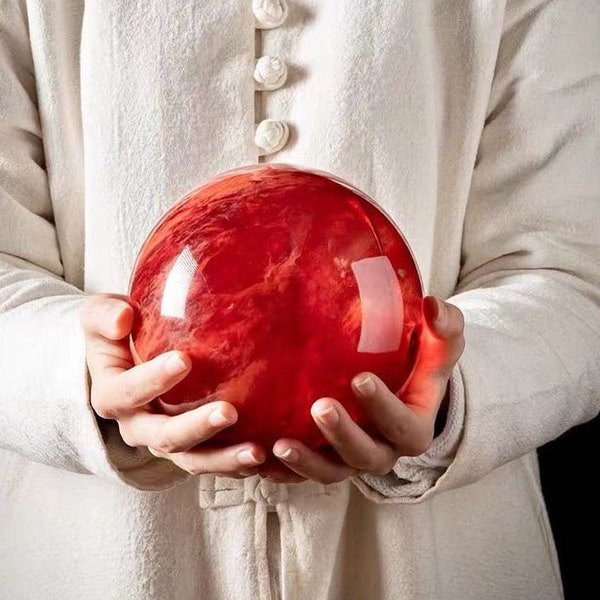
<point x="45" y="413"/>
<point x="530" y="280"/>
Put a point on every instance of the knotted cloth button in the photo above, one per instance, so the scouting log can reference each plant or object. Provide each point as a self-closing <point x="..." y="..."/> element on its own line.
<point x="271" y="136"/>
<point x="270" y="73"/>
<point x="269" y="13"/>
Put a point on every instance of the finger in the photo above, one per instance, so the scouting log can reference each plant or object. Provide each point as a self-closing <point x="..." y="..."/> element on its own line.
<point x="180" y="433"/>
<point x="441" y="345"/>
<point x="118" y="391"/>
<point x="228" y="461"/>
<point x="107" y="357"/>
<point x="408" y="428"/>
<point x="442" y="337"/>
<point x="311" y="464"/>
<point x="106" y="321"/>
<point x="109" y="316"/>
<point x="355" y="447"/>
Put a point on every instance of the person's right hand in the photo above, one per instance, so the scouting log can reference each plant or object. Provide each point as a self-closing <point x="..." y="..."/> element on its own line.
<point x="123" y="392"/>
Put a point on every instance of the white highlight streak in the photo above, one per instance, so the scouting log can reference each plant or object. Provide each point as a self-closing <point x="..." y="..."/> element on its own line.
<point x="381" y="305"/>
<point x="177" y="285"/>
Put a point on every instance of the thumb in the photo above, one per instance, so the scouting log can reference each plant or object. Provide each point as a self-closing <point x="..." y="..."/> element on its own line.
<point x="443" y="334"/>
<point x="440" y="346"/>
<point x="108" y="316"/>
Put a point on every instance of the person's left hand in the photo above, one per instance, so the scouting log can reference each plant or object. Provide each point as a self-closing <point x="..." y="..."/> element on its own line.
<point x="406" y="425"/>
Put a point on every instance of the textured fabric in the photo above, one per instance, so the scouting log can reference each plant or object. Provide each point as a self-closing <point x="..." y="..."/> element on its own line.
<point x="474" y="124"/>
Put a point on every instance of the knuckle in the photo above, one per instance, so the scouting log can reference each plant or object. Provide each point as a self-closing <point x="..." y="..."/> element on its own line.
<point x="96" y="312"/>
<point x="126" y="435"/>
<point x="167" y="445"/>
<point x="193" y="468"/>
<point x="376" y="464"/>
<point x="132" y="394"/>
<point x="105" y="412"/>
<point x="99" y="311"/>
<point x="101" y="407"/>
<point x="155" y="382"/>
<point x="363" y="464"/>
<point x="398" y="430"/>
<point x="418" y="446"/>
<point x="87" y="313"/>
<point x="383" y="468"/>
<point x="129" y="394"/>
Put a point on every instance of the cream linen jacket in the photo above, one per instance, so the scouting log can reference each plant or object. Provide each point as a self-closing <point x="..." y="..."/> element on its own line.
<point x="474" y="123"/>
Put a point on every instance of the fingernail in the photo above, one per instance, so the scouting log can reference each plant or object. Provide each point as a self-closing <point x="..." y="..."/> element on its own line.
<point x="218" y="419"/>
<point x="247" y="457"/>
<point x="289" y="454"/>
<point x="327" y="414"/>
<point x="175" y="364"/>
<point x="365" y="385"/>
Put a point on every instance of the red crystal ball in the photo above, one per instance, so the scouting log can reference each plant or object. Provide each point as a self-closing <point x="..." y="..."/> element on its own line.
<point x="281" y="284"/>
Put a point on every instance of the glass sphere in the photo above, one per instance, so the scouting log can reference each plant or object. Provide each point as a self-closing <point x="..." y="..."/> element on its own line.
<point x="281" y="284"/>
